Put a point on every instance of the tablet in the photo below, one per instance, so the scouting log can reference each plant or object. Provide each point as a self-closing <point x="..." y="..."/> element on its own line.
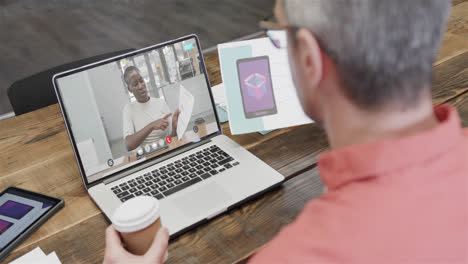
<point x="256" y="86"/>
<point x="21" y="213"/>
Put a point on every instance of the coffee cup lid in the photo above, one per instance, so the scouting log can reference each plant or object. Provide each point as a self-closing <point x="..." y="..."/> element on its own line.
<point x="136" y="214"/>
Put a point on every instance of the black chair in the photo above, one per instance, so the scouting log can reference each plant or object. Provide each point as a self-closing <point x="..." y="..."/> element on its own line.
<point x="37" y="91"/>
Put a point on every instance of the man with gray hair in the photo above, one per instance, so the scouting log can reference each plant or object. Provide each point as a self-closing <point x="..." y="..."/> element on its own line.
<point x="397" y="174"/>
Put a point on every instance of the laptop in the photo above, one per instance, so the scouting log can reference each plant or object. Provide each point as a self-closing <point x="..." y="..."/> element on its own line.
<point x="145" y="123"/>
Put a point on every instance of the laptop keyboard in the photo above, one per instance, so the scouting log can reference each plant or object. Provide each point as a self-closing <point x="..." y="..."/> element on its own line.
<point x="177" y="175"/>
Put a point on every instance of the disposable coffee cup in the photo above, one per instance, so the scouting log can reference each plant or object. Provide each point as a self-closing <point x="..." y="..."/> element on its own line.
<point x="138" y="221"/>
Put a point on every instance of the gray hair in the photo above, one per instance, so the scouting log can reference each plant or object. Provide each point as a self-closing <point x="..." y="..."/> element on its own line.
<point x="383" y="49"/>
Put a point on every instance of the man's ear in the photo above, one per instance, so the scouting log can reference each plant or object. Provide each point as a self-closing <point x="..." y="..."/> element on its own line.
<point x="309" y="56"/>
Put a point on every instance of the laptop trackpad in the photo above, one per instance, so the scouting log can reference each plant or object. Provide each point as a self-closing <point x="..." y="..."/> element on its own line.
<point x="202" y="200"/>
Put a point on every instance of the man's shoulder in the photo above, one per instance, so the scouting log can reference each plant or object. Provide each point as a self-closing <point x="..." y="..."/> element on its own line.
<point x="465" y="135"/>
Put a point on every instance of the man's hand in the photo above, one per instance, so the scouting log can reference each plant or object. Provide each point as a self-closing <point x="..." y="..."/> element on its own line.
<point x="161" y="124"/>
<point x="115" y="253"/>
<point x="175" y="120"/>
<point x="133" y="141"/>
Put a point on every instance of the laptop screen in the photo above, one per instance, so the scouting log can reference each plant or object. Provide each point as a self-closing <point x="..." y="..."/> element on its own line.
<point x="137" y="107"/>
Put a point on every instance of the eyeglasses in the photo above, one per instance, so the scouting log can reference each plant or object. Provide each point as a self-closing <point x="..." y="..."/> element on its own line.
<point x="276" y="33"/>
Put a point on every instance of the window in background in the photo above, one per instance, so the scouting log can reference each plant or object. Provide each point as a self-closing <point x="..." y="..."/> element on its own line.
<point x="190" y="48"/>
<point x="185" y="66"/>
<point x="159" y="73"/>
<point x="171" y="63"/>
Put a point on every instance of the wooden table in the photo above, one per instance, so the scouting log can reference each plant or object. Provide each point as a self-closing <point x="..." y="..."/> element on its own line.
<point x="36" y="155"/>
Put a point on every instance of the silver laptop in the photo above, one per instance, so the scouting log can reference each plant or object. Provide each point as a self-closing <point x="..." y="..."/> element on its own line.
<point x="145" y="123"/>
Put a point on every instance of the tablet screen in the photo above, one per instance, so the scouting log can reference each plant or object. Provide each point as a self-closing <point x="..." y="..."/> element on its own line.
<point x="19" y="210"/>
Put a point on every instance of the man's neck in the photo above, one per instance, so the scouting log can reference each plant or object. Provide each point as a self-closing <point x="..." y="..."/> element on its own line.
<point x="349" y="125"/>
<point x="144" y="100"/>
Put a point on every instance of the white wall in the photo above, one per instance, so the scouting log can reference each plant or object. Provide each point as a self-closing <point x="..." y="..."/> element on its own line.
<point x="83" y="113"/>
<point x="111" y="98"/>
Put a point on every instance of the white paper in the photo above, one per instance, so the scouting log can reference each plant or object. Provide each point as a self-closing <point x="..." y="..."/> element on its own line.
<point x="30" y="257"/>
<point x="37" y="256"/>
<point x="186" y="102"/>
<point x="289" y="109"/>
<point x="219" y="94"/>
<point x="53" y="259"/>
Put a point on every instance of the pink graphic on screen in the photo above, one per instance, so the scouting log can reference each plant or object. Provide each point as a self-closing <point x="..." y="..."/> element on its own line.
<point x="256" y="85"/>
<point x="4" y="225"/>
<point x="256" y="88"/>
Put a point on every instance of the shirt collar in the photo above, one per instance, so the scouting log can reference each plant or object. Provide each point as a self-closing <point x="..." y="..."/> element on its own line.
<point x="356" y="162"/>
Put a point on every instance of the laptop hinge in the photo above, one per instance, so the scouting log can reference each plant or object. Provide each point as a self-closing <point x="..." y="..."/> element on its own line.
<point x="155" y="161"/>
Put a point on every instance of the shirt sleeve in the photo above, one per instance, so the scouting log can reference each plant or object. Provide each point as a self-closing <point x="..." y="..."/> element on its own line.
<point x="128" y="128"/>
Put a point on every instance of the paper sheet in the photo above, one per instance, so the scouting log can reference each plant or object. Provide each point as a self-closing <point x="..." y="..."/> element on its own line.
<point x="30" y="257"/>
<point x="52" y="259"/>
<point x="219" y="94"/>
<point x="186" y="102"/>
<point x="289" y="110"/>
<point x="37" y="256"/>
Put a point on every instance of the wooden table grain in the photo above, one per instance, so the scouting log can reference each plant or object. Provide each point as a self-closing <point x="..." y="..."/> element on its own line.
<point x="36" y="154"/>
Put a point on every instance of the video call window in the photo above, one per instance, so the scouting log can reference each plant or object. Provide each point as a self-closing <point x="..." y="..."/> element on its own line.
<point x="14" y="209"/>
<point x="108" y="105"/>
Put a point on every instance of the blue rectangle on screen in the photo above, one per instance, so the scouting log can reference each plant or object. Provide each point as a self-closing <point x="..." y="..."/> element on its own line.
<point x="14" y="209"/>
<point x="188" y="46"/>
